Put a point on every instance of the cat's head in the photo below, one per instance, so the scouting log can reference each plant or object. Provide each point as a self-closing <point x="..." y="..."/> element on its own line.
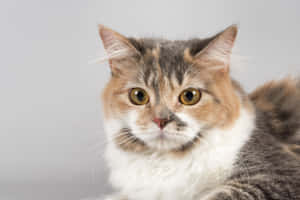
<point x="166" y="95"/>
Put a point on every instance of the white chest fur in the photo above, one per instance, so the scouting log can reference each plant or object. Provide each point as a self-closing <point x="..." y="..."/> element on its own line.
<point x="188" y="177"/>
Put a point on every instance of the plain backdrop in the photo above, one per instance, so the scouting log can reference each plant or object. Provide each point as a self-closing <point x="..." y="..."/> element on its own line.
<point x="51" y="136"/>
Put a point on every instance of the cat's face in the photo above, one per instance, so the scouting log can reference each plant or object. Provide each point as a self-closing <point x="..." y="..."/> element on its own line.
<point x="166" y="95"/>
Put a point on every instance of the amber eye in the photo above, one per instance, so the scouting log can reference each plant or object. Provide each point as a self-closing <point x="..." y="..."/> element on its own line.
<point x="190" y="96"/>
<point x="138" y="96"/>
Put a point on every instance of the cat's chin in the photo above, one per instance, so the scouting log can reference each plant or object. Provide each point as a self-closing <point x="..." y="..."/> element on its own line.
<point x="163" y="142"/>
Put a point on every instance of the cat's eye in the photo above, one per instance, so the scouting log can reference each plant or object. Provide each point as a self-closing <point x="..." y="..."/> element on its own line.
<point x="190" y="96"/>
<point x="138" y="96"/>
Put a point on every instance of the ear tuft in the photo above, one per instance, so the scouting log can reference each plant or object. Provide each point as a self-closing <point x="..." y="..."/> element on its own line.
<point x="219" y="50"/>
<point x="116" y="45"/>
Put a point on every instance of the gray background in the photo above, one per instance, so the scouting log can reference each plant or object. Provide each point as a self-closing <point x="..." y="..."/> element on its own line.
<point x="51" y="137"/>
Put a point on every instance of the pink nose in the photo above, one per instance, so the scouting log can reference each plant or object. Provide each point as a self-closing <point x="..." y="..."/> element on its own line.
<point x="161" y="123"/>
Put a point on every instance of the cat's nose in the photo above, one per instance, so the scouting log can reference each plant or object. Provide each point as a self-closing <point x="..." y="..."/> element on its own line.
<point x="161" y="123"/>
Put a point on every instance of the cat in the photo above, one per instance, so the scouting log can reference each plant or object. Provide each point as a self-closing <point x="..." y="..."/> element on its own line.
<point x="180" y="128"/>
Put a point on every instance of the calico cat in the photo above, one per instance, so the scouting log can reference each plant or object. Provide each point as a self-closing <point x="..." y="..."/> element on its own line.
<point x="180" y="128"/>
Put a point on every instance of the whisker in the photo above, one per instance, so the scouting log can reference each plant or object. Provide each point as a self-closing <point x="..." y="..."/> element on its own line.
<point x="126" y="141"/>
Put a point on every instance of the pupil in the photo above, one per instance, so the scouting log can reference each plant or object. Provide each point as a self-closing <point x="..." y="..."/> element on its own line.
<point x="140" y="96"/>
<point x="189" y="96"/>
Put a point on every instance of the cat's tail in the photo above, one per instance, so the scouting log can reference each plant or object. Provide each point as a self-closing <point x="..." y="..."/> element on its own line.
<point x="280" y="103"/>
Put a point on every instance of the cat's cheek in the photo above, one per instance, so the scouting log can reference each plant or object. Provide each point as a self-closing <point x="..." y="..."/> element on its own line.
<point x="193" y="126"/>
<point x="132" y="118"/>
<point x="112" y="127"/>
<point x="114" y="124"/>
<point x="144" y="118"/>
<point x="140" y="125"/>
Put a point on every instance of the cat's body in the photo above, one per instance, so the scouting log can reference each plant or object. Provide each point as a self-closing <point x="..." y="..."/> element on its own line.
<point x="213" y="141"/>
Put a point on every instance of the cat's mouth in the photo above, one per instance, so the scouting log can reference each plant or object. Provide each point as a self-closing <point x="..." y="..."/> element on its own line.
<point x="161" y="141"/>
<point x="174" y="142"/>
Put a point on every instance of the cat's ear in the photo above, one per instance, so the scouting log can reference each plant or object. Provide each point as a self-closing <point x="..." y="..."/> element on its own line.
<point x="117" y="46"/>
<point x="216" y="54"/>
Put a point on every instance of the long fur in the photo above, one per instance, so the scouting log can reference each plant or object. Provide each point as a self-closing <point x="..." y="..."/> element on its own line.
<point x="280" y="103"/>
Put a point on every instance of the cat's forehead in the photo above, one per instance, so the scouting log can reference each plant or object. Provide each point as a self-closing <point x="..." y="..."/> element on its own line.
<point x="166" y="58"/>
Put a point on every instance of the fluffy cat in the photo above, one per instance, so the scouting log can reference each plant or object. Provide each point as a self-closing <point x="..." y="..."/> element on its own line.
<point x="180" y="128"/>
